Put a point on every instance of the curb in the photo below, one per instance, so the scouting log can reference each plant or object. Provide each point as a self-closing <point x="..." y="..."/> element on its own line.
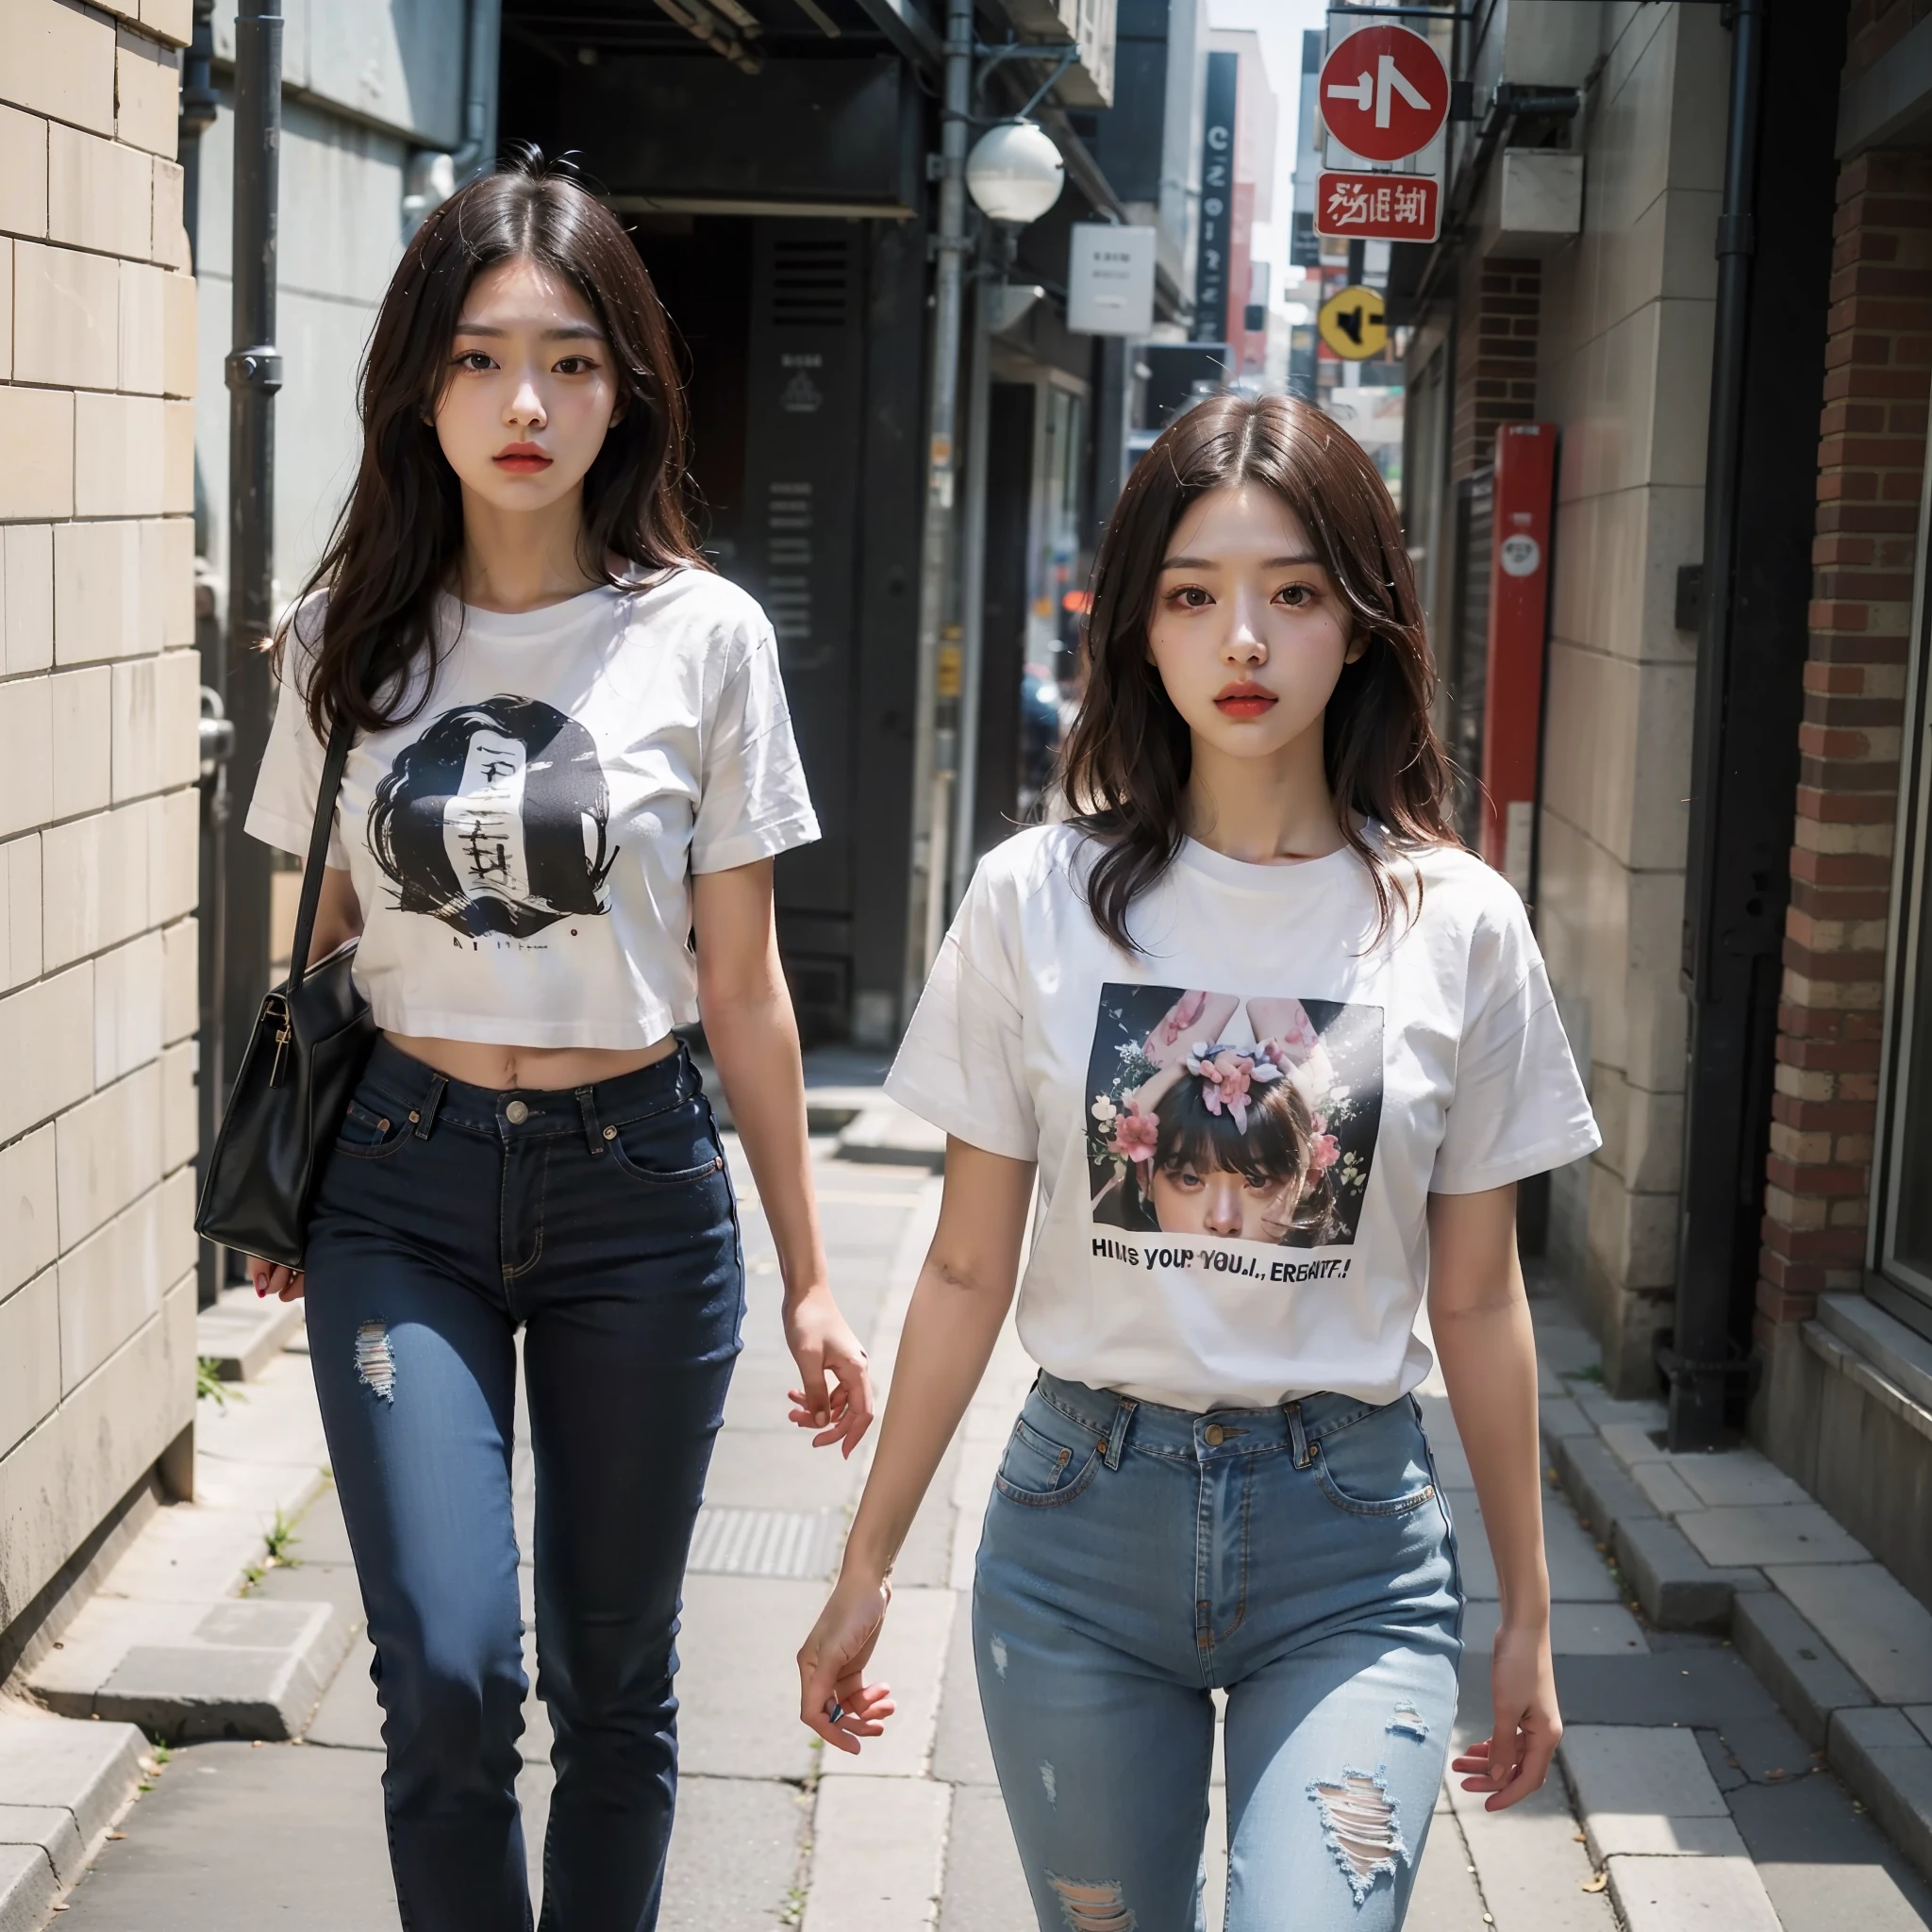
<point x="1882" y="1755"/>
<point x="62" y="1787"/>
<point x="242" y="1334"/>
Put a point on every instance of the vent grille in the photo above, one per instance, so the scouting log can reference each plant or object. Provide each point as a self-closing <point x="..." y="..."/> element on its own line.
<point x="767" y="1542"/>
<point x="811" y="282"/>
<point x="789" y="554"/>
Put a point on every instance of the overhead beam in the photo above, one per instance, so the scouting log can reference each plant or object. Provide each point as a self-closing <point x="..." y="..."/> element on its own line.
<point x="909" y="34"/>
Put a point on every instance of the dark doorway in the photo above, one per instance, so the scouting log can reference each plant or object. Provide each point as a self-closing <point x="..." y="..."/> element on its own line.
<point x="1003" y="648"/>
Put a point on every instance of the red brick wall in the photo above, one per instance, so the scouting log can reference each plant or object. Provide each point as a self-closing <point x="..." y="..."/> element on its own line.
<point x="1495" y="357"/>
<point x="1871" y="452"/>
<point x="1877" y="27"/>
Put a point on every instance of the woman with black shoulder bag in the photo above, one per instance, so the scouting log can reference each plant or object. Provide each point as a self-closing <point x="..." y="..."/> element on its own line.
<point x="568" y="751"/>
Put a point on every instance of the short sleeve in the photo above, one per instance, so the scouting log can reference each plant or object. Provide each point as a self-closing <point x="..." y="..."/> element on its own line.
<point x="963" y="1063"/>
<point x="1519" y="1108"/>
<point x="281" y="812"/>
<point x="753" y="800"/>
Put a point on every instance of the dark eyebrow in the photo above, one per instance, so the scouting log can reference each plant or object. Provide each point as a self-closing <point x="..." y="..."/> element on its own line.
<point x="1212" y="563"/>
<point x="569" y="332"/>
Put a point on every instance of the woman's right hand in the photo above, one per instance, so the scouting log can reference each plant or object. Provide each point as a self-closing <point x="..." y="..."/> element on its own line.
<point x="270" y="1277"/>
<point x="834" y="1698"/>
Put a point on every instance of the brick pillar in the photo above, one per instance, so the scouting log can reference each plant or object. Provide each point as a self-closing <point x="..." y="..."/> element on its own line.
<point x="1495" y="357"/>
<point x="1872" y="453"/>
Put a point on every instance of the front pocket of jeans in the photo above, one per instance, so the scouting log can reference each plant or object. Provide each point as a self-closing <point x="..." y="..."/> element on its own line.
<point x="668" y="1149"/>
<point x="367" y="1135"/>
<point x="1040" y="1472"/>
<point x="1377" y="1466"/>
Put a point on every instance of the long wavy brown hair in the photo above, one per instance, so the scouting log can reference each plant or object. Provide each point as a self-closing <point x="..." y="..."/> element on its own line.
<point x="1123" y="770"/>
<point x="397" y="543"/>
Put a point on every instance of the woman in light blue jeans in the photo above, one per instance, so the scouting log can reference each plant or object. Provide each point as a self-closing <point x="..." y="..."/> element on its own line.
<point x="1275" y="1051"/>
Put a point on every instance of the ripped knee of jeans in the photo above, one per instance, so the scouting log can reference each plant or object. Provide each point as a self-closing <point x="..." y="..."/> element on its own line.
<point x="1359" y="1826"/>
<point x="375" y="1360"/>
<point x="1093" y="1908"/>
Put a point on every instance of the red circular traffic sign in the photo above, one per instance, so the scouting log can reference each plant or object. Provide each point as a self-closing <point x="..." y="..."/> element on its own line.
<point x="1384" y="94"/>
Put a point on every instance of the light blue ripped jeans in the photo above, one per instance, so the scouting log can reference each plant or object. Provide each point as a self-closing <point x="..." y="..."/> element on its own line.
<point x="1135" y="1557"/>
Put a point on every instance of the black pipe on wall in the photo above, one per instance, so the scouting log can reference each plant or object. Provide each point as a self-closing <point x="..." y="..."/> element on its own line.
<point x="1760" y="507"/>
<point x="254" y="374"/>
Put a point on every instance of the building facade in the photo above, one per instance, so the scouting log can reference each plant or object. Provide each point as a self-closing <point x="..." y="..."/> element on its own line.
<point x="98" y="804"/>
<point x="1659" y="232"/>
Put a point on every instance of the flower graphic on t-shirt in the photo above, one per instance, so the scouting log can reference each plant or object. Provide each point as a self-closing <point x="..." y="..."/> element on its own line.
<point x="1136" y="1133"/>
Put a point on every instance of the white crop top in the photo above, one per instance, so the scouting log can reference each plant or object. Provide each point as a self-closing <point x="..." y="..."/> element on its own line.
<point x="522" y="846"/>
<point x="1238" y="1128"/>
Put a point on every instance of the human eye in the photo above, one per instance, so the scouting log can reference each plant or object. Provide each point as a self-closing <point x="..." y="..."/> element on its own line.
<point x="1188" y="597"/>
<point x="1185" y="1177"/>
<point x="577" y="365"/>
<point x="1297" y="597"/>
<point x="476" y="360"/>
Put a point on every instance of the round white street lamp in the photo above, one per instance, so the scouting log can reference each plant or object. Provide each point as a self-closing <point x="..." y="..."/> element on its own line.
<point x="1015" y="172"/>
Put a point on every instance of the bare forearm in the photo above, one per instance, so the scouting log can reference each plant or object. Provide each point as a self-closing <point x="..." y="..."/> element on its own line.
<point x="754" y="1042"/>
<point x="1487" y="1353"/>
<point x="948" y="1336"/>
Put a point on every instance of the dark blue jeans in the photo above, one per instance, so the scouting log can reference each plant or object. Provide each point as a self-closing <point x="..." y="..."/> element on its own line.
<point x="601" y="1221"/>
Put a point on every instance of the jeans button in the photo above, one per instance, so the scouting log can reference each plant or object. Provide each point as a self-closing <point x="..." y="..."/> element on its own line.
<point x="1215" y="1435"/>
<point x="516" y="1114"/>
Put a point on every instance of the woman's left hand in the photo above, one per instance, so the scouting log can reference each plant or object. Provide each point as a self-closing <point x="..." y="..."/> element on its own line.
<point x="823" y="1346"/>
<point x="1514" y="1759"/>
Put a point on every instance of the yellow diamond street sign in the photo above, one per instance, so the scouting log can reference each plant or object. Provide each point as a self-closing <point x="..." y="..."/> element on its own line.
<point x="1354" y="324"/>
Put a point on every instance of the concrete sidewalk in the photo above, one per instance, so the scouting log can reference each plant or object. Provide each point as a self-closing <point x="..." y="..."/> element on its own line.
<point x="1686" y="1799"/>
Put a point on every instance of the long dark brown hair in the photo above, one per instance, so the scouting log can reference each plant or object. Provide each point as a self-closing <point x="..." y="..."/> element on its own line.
<point x="1125" y="764"/>
<point x="400" y="533"/>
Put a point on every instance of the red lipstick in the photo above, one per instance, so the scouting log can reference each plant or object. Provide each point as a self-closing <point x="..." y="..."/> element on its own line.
<point x="1245" y="700"/>
<point x="522" y="459"/>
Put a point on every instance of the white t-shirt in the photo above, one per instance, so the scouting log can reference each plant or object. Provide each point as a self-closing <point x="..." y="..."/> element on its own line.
<point x="1234" y="1183"/>
<point x="522" y="846"/>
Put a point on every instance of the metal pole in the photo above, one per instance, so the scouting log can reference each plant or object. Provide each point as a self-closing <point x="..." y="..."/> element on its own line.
<point x="935" y="750"/>
<point x="254" y="373"/>
<point x="1699" y="1358"/>
<point x="971" y="598"/>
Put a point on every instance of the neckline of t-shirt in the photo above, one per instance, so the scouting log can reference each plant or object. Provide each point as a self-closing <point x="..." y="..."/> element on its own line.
<point x="1252" y="877"/>
<point x="548" y="620"/>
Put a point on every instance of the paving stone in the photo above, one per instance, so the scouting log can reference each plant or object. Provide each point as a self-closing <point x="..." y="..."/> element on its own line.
<point x="1888" y="1764"/>
<point x="778" y="1468"/>
<point x="1826" y="1865"/>
<point x="738" y="1686"/>
<point x="349" y="1717"/>
<point x="235" y="1836"/>
<point x="1769" y="1750"/>
<point x="1446" y="1898"/>
<point x="1872" y="1620"/>
<point x="1664" y="1490"/>
<point x="912" y="1658"/>
<point x="27" y="1889"/>
<point x="1726" y="1772"/>
<point x="1606" y="1411"/>
<point x="985" y="1886"/>
<point x="1736" y="1478"/>
<point x="49" y="1828"/>
<point x="1645" y="1791"/>
<point x="1921" y="1714"/>
<point x="1598" y="1484"/>
<point x="1677" y="1589"/>
<point x="878" y="1849"/>
<point x="734" y="1854"/>
<point x="1558" y="1415"/>
<point x="1707" y="1685"/>
<point x="89" y="1769"/>
<point x="1763" y="1535"/>
<point x="1801" y="1671"/>
<point x="1720" y="1894"/>
<point x="1529" y="1864"/>
<point x="1577" y="1571"/>
<point x="960" y="1753"/>
<point x="1575" y="1630"/>
<point x="242" y="1334"/>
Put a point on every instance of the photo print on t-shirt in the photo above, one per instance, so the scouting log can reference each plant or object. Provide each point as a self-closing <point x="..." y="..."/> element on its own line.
<point x="495" y="820"/>
<point x="1221" y="1126"/>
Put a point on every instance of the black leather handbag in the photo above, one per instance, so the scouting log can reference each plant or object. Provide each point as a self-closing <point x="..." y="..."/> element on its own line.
<point x="310" y="1043"/>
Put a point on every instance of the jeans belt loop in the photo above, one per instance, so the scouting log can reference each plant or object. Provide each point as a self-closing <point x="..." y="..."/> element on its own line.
<point x="429" y="1106"/>
<point x="1117" y="1435"/>
<point x="593" y="1135"/>
<point x="1304" y="1454"/>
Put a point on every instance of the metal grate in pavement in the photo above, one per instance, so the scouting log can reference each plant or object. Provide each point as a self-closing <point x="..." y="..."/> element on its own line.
<point x="767" y="1542"/>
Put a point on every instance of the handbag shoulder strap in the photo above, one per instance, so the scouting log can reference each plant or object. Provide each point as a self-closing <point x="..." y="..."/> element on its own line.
<point x="334" y="763"/>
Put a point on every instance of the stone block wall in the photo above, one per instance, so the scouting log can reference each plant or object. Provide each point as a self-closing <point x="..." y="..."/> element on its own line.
<point x="99" y="810"/>
<point x="1872" y="454"/>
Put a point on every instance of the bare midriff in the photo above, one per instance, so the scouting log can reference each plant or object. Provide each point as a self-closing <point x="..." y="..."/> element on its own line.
<point x="531" y="1068"/>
